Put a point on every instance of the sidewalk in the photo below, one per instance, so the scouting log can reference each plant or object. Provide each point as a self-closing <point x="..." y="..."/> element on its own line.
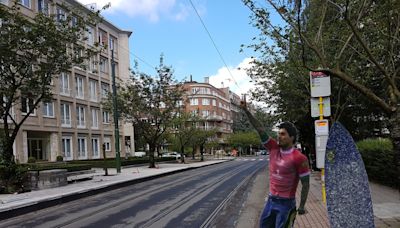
<point x="14" y="204"/>
<point x="386" y="205"/>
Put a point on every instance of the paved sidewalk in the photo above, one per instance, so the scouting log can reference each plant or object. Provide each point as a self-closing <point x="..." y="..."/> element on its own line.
<point x="11" y="204"/>
<point x="386" y="205"/>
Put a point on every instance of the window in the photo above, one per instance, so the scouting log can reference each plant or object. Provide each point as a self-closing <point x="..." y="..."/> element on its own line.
<point x="93" y="90"/>
<point x="205" y="101"/>
<point x="195" y="90"/>
<point x="106" y="117"/>
<point x="102" y="38"/>
<point x="90" y="35"/>
<point x="43" y="7"/>
<point x="74" y="21"/>
<point x="27" y="105"/>
<point x="107" y="143"/>
<point x="82" y="147"/>
<point x="205" y="113"/>
<point x="194" y="112"/>
<point x="95" y="148"/>
<point x="214" y="102"/>
<point x="65" y="115"/>
<point x="105" y="88"/>
<point x="64" y="84"/>
<point x="179" y="103"/>
<point x="113" y="44"/>
<point x="194" y="101"/>
<point x="80" y="117"/>
<point x="95" y="118"/>
<point x="26" y="3"/>
<point x="48" y="109"/>
<point x="93" y="64"/>
<point x="79" y="87"/>
<point x="60" y="14"/>
<point x="103" y="65"/>
<point x="66" y="144"/>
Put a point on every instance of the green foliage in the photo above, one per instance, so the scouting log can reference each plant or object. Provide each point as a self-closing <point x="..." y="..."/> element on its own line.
<point x="59" y="158"/>
<point x="33" y="52"/>
<point x="244" y="139"/>
<point x="355" y="42"/>
<point x="12" y="178"/>
<point x="51" y="165"/>
<point x="378" y="157"/>
<point x="110" y="163"/>
<point x="150" y="104"/>
<point x="31" y="160"/>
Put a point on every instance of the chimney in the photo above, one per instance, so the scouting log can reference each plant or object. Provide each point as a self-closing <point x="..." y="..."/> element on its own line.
<point x="206" y="80"/>
<point x="191" y="78"/>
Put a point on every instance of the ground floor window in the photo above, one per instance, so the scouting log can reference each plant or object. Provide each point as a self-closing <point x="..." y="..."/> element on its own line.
<point x="82" y="147"/>
<point x="96" y="147"/>
<point x="66" y="147"/>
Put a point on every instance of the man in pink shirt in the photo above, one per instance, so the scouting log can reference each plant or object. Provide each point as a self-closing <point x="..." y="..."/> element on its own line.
<point x="286" y="167"/>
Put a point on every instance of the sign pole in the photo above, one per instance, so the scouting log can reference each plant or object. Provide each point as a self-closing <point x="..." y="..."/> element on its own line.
<point x="321" y="117"/>
<point x="320" y="84"/>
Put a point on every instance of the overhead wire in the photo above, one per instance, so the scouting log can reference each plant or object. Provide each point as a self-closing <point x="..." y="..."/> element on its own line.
<point x="212" y="40"/>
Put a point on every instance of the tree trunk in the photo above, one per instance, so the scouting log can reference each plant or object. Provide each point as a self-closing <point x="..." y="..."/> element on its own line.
<point x="201" y="153"/>
<point x="182" y="152"/>
<point x="395" y="135"/>
<point x="7" y="151"/>
<point x="194" y="151"/>
<point x="152" y="163"/>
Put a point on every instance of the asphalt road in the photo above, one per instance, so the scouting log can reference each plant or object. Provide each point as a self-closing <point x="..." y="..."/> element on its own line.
<point x="205" y="197"/>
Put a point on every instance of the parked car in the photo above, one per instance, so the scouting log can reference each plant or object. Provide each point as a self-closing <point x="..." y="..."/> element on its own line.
<point x="171" y="154"/>
<point x="139" y="154"/>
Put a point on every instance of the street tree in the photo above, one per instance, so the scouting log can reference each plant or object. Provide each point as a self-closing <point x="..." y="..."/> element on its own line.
<point x="150" y="104"/>
<point x="184" y="131"/>
<point x="244" y="140"/>
<point x="204" y="138"/>
<point x="356" y="42"/>
<point x="33" y="53"/>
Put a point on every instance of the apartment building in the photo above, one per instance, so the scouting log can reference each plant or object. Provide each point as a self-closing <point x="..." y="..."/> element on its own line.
<point x="212" y="104"/>
<point x="74" y="124"/>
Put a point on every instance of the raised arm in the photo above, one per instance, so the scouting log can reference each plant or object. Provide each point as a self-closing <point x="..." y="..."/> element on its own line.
<point x="256" y="124"/>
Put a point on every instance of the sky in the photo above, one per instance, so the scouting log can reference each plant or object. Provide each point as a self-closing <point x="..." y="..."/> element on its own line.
<point x="172" y="27"/>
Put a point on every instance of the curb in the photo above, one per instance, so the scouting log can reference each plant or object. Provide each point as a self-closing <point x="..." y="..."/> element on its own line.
<point x="45" y="203"/>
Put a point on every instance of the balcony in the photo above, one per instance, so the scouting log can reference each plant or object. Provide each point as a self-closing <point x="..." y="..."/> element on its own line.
<point x="214" y="117"/>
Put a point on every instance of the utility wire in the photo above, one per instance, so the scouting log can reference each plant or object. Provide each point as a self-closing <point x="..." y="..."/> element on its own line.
<point x="212" y="40"/>
<point x="137" y="57"/>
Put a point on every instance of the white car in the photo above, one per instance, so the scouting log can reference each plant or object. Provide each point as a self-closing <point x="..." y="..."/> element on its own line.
<point x="139" y="154"/>
<point x="171" y="155"/>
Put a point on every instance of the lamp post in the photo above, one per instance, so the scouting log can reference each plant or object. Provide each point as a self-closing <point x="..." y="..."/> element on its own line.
<point x="116" y="125"/>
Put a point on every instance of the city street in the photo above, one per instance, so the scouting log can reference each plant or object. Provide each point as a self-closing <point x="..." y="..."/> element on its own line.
<point x="195" y="198"/>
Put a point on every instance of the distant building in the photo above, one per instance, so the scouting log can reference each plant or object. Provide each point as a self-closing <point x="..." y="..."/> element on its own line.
<point x="214" y="105"/>
<point x="74" y="124"/>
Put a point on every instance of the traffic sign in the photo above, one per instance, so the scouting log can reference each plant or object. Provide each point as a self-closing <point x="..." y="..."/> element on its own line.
<point x="326" y="102"/>
<point x="321" y="127"/>
<point x="320" y="84"/>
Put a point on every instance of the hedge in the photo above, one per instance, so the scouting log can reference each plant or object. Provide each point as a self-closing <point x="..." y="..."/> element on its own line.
<point x="378" y="156"/>
<point x="110" y="162"/>
<point x="52" y="165"/>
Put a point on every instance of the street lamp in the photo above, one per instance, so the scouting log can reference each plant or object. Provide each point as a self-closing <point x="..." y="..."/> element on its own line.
<point x="116" y="125"/>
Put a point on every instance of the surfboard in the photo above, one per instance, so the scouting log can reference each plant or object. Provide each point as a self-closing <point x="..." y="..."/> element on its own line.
<point x="348" y="195"/>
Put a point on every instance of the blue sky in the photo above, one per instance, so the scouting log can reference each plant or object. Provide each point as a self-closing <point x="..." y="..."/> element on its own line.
<point x="173" y="28"/>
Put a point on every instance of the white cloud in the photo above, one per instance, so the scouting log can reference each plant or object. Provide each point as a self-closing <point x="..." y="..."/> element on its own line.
<point x="150" y="9"/>
<point x="240" y="83"/>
